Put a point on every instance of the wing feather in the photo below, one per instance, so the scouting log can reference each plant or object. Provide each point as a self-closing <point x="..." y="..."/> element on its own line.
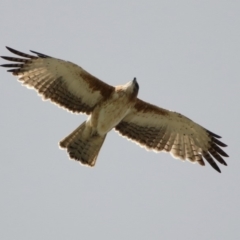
<point x="162" y="130"/>
<point x="62" y="82"/>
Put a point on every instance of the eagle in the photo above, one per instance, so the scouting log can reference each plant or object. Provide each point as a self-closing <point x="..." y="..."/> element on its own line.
<point x="71" y="87"/>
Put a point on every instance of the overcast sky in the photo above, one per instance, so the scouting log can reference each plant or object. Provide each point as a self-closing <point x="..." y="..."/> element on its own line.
<point x="185" y="55"/>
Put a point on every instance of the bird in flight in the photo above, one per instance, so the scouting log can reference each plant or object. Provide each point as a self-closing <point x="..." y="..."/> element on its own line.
<point x="71" y="87"/>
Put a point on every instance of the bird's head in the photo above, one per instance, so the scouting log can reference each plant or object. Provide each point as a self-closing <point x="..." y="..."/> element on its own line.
<point x="132" y="87"/>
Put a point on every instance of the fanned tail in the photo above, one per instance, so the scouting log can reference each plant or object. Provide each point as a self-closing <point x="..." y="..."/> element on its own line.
<point x="82" y="145"/>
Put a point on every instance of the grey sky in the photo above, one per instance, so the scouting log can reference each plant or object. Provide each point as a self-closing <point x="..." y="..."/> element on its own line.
<point x="185" y="55"/>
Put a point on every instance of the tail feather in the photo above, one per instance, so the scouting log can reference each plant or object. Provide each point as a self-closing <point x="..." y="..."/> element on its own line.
<point x="83" y="145"/>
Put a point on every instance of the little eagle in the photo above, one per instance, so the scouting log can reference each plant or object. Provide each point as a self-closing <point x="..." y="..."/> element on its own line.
<point x="71" y="87"/>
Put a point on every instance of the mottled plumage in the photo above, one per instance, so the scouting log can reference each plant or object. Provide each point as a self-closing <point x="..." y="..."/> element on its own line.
<point x="76" y="90"/>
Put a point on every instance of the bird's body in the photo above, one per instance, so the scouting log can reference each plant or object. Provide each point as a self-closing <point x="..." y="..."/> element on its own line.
<point x="108" y="107"/>
<point x="107" y="114"/>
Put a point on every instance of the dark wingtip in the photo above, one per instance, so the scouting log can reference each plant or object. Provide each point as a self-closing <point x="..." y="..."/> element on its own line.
<point x="213" y="134"/>
<point x="10" y="49"/>
<point x="20" y="53"/>
<point x="39" y="54"/>
<point x="216" y="168"/>
<point x="219" y="143"/>
<point x="211" y="161"/>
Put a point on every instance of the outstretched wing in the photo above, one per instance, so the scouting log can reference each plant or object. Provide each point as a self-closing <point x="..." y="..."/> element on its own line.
<point x="64" y="83"/>
<point x="162" y="130"/>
